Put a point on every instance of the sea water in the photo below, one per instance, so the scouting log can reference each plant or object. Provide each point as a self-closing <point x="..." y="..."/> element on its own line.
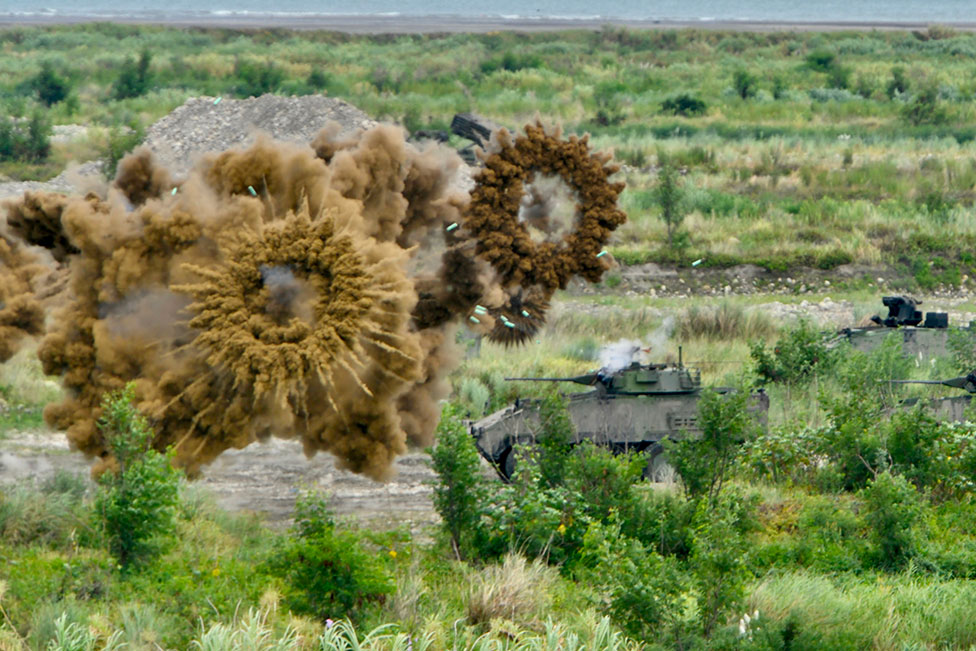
<point x="784" y="11"/>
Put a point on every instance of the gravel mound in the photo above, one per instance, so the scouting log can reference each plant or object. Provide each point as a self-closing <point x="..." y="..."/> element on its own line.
<point x="75" y="179"/>
<point x="201" y="126"/>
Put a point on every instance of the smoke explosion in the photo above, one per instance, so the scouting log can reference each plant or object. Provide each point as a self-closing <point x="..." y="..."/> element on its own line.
<point x="300" y="292"/>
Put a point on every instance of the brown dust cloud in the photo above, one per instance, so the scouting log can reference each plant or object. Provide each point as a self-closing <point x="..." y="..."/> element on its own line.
<point x="310" y="292"/>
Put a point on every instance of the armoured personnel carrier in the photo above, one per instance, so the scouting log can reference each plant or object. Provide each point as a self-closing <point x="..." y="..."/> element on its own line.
<point x="922" y="338"/>
<point x="634" y="408"/>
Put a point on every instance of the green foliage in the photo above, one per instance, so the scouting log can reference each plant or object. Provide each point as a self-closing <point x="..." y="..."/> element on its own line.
<point x="134" y="78"/>
<point x="138" y="497"/>
<point x="50" y="87"/>
<point x="925" y="108"/>
<point x="853" y="439"/>
<point x="327" y="572"/>
<point x="892" y="509"/>
<point x="459" y="493"/>
<point x="684" y="104"/>
<point x="744" y="83"/>
<point x="821" y="60"/>
<point x="797" y="356"/>
<point x="962" y="348"/>
<point x="642" y="590"/>
<point x="121" y="141"/>
<point x="669" y="196"/>
<point x="53" y="516"/>
<point x="28" y="141"/>
<point x="256" y="79"/>
<point x="554" y="439"/>
<point x="704" y="464"/>
<point x="718" y="564"/>
<point x="898" y="84"/>
<point x="317" y="79"/>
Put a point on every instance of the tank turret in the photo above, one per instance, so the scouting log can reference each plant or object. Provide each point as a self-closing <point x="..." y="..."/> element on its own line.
<point x="634" y="380"/>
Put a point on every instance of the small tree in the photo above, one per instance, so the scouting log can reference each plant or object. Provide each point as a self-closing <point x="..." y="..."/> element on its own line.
<point x="705" y="463"/>
<point x="458" y="493"/>
<point x="718" y="564"/>
<point x="135" y="78"/>
<point x="328" y="573"/>
<point x="669" y="196"/>
<point x="898" y="84"/>
<point x="744" y="83"/>
<point x="925" y="107"/>
<point x="555" y="439"/>
<point x="50" y="87"/>
<point x="137" y="499"/>
<point x="892" y="509"/>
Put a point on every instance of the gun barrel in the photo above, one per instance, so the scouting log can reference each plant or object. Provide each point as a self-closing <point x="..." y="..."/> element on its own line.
<point x="916" y="382"/>
<point x="540" y="379"/>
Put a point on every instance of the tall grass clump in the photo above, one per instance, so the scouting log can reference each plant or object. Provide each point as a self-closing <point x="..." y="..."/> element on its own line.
<point x="725" y="321"/>
<point x="515" y="590"/>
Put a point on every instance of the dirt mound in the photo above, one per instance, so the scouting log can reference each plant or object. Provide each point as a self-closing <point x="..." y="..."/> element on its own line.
<point x="209" y="124"/>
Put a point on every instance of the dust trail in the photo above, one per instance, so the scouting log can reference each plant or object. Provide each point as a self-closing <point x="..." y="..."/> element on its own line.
<point x="302" y="292"/>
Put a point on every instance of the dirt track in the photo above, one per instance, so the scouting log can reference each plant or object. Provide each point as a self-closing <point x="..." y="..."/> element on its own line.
<point x="263" y="478"/>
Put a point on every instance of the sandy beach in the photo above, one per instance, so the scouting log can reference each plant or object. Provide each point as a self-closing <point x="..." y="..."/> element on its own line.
<point x="384" y="24"/>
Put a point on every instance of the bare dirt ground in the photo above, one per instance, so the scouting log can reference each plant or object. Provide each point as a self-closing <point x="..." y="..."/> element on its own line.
<point x="263" y="478"/>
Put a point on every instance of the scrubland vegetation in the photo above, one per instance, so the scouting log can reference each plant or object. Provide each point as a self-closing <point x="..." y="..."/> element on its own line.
<point x="793" y="149"/>
<point x="847" y="523"/>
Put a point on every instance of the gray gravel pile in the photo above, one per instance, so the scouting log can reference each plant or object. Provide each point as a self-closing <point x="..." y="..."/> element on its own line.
<point x="76" y="178"/>
<point x="201" y="126"/>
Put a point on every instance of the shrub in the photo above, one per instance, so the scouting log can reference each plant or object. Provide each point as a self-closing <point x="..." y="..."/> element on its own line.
<point x="852" y="438"/>
<point x="795" y="358"/>
<point x="892" y="508"/>
<point x="839" y="77"/>
<point x="30" y="142"/>
<point x="962" y="349"/>
<point x="257" y="79"/>
<point x="925" y="108"/>
<point x="554" y="439"/>
<point x="327" y="572"/>
<point x="898" y="84"/>
<point x="50" y="87"/>
<point x="641" y="590"/>
<point x="458" y="493"/>
<point x="138" y="498"/>
<point x="705" y="463"/>
<point x="744" y="83"/>
<point x="121" y="141"/>
<point x="134" y="78"/>
<point x="684" y="104"/>
<point x="718" y="565"/>
<point x="317" y="80"/>
<point x="821" y="60"/>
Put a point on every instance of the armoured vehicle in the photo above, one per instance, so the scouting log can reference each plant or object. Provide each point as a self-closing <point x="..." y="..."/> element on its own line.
<point x="921" y="339"/>
<point x="634" y="408"/>
<point x="947" y="409"/>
